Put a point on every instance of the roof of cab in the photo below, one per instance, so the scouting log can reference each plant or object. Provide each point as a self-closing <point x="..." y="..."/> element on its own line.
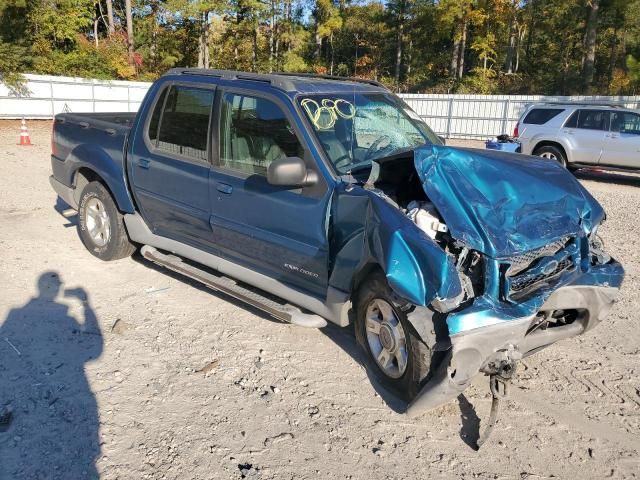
<point x="290" y="82"/>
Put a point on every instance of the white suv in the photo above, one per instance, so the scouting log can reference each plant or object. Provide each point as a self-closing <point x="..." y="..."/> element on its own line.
<point x="581" y="135"/>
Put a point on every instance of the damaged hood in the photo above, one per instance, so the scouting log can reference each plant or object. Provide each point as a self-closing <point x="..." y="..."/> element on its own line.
<point x="503" y="203"/>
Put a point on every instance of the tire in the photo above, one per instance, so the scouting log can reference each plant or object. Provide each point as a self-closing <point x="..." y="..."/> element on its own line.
<point x="373" y="297"/>
<point x="101" y="226"/>
<point x="552" y="153"/>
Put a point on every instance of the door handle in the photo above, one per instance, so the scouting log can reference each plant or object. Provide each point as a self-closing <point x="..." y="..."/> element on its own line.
<point x="144" y="163"/>
<point x="224" y="188"/>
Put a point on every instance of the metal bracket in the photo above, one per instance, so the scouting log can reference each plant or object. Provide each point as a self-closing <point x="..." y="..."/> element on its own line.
<point x="498" y="387"/>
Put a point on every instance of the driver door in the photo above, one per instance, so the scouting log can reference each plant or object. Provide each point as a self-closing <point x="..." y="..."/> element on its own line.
<point x="278" y="231"/>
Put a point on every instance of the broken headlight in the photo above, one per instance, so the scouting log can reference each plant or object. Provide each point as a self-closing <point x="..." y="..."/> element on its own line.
<point x="470" y="268"/>
<point x="596" y="247"/>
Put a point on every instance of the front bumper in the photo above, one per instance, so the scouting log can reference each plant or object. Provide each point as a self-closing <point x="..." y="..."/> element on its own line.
<point x="483" y="349"/>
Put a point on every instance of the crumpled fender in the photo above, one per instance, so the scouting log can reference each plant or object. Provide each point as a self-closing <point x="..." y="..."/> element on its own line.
<point x="504" y="203"/>
<point x="367" y="229"/>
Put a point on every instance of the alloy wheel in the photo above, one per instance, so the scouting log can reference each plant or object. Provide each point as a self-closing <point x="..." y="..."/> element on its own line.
<point x="97" y="222"/>
<point x="386" y="338"/>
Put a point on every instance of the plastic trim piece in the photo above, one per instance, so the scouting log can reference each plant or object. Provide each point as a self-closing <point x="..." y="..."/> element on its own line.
<point x="64" y="192"/>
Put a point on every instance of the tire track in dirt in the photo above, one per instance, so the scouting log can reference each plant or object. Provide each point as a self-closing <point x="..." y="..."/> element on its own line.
<point x="600" y="393"/>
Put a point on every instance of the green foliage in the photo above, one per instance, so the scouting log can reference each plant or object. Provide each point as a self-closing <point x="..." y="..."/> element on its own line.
<point x="481" y="80"/>
<point x="11" y="60"/>
<point x="60" y="21"/>
<point x="470" y="46"/>
<point x="634" y="68"/>
<point x="327" y="18"/>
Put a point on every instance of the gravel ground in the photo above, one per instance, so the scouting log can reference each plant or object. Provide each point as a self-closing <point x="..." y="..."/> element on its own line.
<point x="122" y="371"/>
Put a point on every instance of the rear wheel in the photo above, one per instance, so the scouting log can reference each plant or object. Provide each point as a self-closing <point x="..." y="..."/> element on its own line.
<point x="394" y="352"/>
<point x="101" y="225"/>
<point x="552" y="153"/>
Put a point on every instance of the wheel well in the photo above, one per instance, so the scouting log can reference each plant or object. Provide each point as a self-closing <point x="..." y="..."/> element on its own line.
<point x="83" y="177"/>
<point x="362" y="274"/>
<point x="550" y="144"/>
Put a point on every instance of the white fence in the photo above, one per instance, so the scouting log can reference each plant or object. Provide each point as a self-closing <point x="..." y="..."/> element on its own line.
<point x="47" y="95"/>
<point x="452" y="116"/>
<point x="482" y="116"/>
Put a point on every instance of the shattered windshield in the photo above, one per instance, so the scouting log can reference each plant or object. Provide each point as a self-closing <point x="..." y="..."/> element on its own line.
<point x="355" y="129"/>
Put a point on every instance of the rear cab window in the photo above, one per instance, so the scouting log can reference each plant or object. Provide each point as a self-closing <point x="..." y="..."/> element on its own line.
<point x="540" y="116"/>
<point x="180" y="121"/>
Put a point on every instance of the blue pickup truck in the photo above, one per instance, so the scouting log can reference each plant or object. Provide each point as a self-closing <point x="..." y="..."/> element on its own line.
<point x="326" y="199"/>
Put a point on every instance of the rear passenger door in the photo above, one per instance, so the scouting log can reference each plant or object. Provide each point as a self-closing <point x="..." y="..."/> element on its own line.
<point x="622" y="144"/>
<point x="278" y="231"/>
<point x="585" y="133"/>
<point x="170" y="162"/>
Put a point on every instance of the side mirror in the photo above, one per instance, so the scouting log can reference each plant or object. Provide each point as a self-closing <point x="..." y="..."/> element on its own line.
<point x="290" y="172"/>
<point x="443" y="140"/>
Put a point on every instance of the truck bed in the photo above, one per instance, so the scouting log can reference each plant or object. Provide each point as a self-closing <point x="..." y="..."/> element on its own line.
<point x="117" y="120"/>
<point x="80" y="139"/>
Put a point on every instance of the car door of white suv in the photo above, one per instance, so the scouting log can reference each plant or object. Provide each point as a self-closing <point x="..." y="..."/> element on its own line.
<point x="584" y="132"/>
<point x="622" y="142"/>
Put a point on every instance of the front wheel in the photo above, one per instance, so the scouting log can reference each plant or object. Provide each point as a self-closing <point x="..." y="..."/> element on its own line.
<point x="394" y="352"/>
<point x="101" y="226"/>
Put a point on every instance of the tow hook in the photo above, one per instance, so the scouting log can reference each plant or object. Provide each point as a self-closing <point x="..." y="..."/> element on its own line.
<point x="498" y="381"/>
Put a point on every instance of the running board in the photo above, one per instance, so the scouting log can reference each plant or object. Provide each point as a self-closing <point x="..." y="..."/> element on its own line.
<point x="283" y="312"/>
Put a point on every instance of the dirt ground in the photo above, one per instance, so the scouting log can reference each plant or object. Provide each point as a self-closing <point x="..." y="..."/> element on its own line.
<point x="121" y="371"/>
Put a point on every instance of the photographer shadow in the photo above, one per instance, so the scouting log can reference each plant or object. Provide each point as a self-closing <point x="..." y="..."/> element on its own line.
<point x="48" y="414"/>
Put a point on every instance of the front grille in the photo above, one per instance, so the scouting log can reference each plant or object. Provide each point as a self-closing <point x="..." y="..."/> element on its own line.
<point x="527" y="273"/>
<point x="522" y="284"/>
<point x="519" y="263"/>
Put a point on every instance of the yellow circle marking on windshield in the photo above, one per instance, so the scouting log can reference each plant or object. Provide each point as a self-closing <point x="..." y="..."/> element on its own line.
<point x="350" y="106"/>
<point x="323" y="115"/>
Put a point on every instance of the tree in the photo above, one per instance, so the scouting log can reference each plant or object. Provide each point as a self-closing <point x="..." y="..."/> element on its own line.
<point x="634" y="70"/>
<point x="590" y="43"/>
<point x="398" y="9"/>
<point x="130" y="39"/>
<point x="110" y="19"/>
<point x="489" y="46"/>
<point x="327" y="21"/>
<point x="459" y="15"/>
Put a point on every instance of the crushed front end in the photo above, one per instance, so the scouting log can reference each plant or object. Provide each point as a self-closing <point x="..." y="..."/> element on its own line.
<point x="538" y="272"/>
<point x="497" y="253"/>
<point x="493" y="332"/>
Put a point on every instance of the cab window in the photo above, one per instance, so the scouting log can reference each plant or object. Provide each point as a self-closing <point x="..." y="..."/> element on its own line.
<point x="254" y="132"/>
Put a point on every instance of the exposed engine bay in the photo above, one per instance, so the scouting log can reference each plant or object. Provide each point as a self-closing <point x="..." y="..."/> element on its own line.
<point x="395" y="179"/>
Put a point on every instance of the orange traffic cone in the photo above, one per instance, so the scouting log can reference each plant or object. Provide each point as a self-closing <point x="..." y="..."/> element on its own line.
<point x="24" y="134"/>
